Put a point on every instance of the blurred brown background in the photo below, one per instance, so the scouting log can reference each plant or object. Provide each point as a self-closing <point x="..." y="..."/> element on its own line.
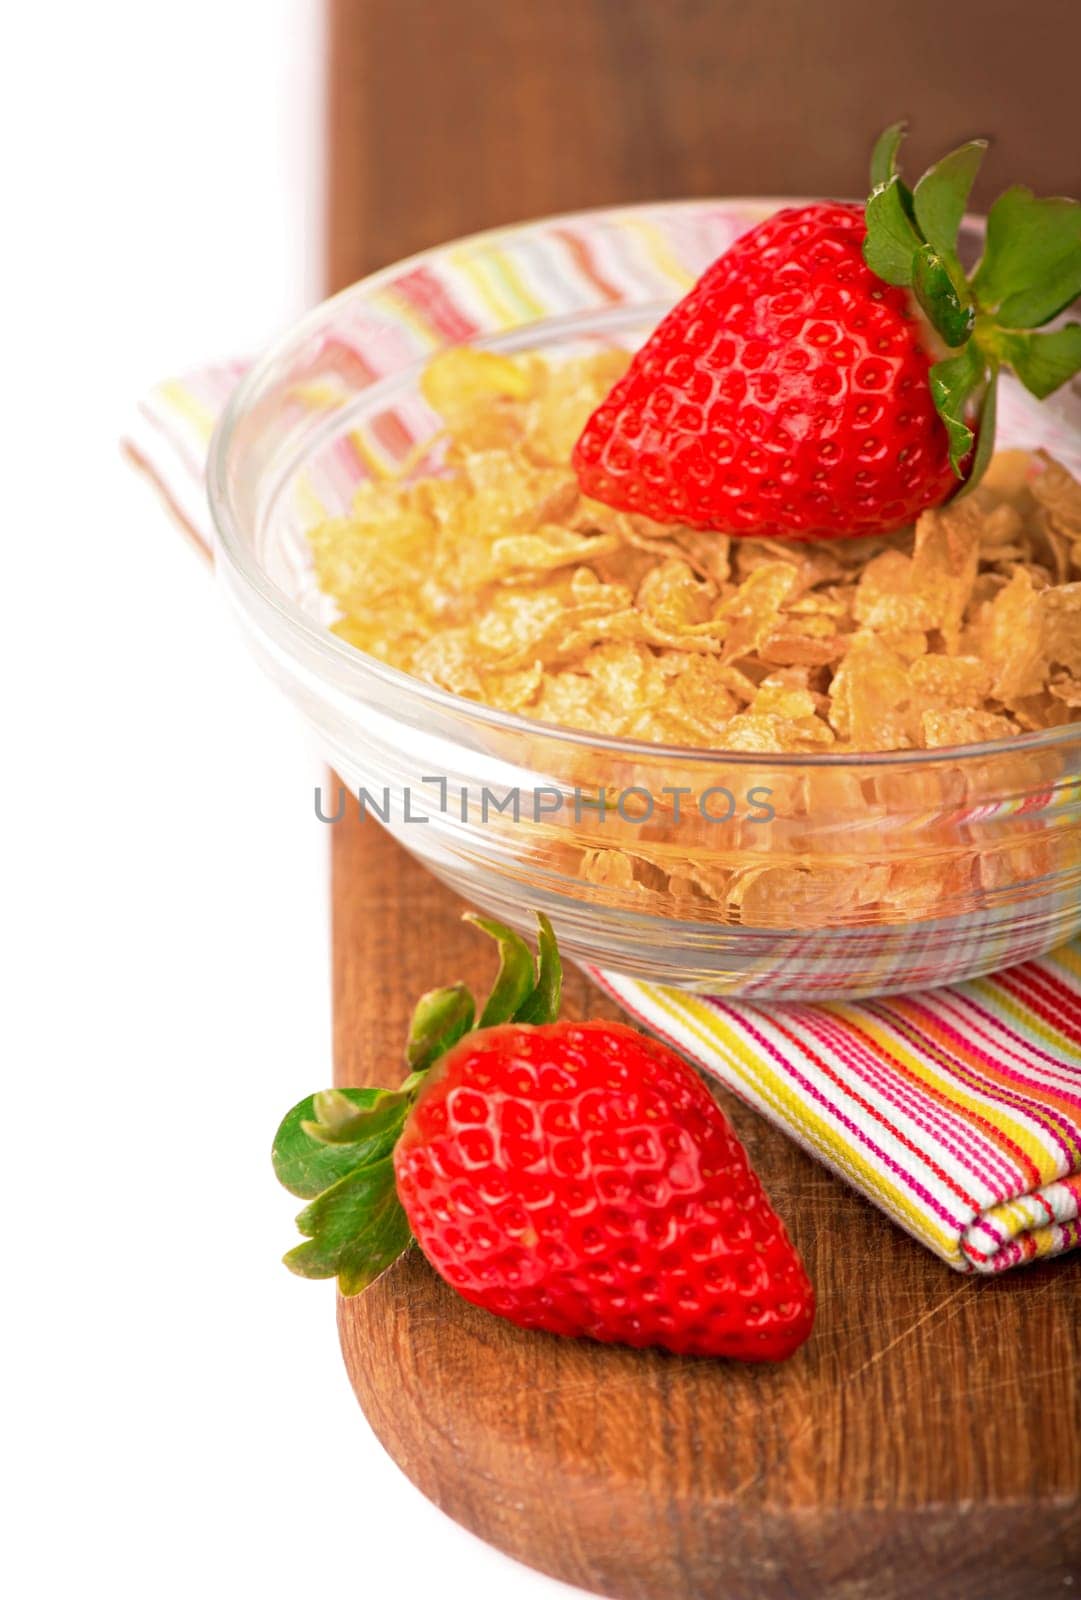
<point x="451" y="115"/>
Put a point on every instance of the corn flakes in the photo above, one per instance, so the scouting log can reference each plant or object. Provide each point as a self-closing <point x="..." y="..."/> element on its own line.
<point x="494" y="577"/>
<point x="483" y="569"/>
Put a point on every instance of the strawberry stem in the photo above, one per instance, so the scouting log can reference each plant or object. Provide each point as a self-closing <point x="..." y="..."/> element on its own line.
<point x="1029" y="273"/>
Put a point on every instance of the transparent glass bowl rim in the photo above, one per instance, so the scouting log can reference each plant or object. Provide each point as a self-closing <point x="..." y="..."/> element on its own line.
<point x="359" y="668"/>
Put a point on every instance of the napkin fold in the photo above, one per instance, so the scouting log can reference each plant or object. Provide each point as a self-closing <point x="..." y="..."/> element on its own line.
<point x="956" y="1110"/>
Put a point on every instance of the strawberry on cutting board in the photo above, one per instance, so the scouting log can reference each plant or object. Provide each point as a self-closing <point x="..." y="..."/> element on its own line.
<point x="573" y="1177"/>
<point x="833" y="374"/>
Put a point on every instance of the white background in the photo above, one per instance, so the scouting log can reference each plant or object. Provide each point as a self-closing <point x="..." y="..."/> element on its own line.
<point x="177" y="1420"/>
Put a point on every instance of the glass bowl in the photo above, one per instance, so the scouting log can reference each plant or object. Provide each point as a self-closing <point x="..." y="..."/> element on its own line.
<point x="768" y="876"/>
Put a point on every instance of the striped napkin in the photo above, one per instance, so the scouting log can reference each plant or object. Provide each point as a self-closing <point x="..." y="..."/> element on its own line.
<point x="956" y="1110"/>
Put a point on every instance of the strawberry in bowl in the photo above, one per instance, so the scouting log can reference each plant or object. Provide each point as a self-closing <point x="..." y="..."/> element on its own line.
<point x="574" y="1178"/>
<point x="833" y="373"/>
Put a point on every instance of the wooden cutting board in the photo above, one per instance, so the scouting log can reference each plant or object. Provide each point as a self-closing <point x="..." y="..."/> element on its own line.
<point x="926" y="1444"/>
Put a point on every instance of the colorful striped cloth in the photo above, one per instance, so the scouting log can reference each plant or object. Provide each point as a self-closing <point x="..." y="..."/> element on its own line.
<point x="957" y="1111"/>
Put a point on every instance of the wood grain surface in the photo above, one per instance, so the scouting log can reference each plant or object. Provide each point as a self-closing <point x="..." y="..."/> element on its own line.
<point x="446" y="116"/>
<point x="926" y="1444"/>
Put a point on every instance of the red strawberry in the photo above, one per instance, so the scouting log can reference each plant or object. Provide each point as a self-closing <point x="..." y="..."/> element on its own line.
<point x="787" y="395"/>
<point x="582" y="1179"/>
<point x="797" y="392"/>
<point x="577" y="1178"/>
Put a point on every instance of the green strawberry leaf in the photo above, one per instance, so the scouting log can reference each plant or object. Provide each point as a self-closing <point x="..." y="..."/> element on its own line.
<point x="336" y="1148"/>
<point x="892" y="238"/>
<point x="985" y="433"/>
<point x="943" y="296"/>
<point x="1030" y="271"/>
<point x="338" y="1121"/>
<point x="940" y="197"/>
<point x="516" y="978"/>
<point x="953" y="384"/>
<point x="543" y="1004"/>
<point x="354" y="1230"/>
<point x="884" y="154"/>
<point x="306" y="1166"/>
<point x="1031" y="266"/>
<point x="1042" y="361"/>
<point x="441" y="1018"/>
